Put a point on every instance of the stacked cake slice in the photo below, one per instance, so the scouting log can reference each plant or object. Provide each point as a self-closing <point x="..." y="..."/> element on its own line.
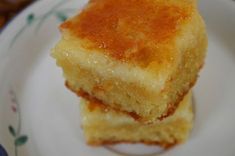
<point x="134" y="62"/>
<point x="104" y="125"/>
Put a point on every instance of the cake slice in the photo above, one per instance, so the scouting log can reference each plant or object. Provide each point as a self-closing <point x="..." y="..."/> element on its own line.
<point x="138" y="56"/>
<point x="103" y="125"/>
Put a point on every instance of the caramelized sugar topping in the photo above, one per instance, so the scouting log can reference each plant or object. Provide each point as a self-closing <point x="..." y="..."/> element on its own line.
<point x="129" y="30"/>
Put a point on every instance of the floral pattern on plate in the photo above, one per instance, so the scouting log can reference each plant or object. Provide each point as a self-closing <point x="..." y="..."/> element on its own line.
<point x="15" y="131"/>
<point x="19" y="139"/>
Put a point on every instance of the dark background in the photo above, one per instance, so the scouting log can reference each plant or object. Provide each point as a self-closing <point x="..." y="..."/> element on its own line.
<point x="9" y="8"/>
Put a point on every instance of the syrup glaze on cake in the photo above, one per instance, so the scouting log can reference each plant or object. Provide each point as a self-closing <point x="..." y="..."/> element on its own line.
<point x="131" y="30"/>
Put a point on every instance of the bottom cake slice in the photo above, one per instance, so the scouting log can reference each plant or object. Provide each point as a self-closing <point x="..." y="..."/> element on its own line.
<point x="103" y="125"/>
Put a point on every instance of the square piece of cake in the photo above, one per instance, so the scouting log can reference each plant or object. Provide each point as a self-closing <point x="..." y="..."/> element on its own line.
<point x="103" y="125"/>
<point x="138" y="56"/>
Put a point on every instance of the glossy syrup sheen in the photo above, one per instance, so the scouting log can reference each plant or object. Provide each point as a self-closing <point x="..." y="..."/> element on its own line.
<point x="129" y="30"/>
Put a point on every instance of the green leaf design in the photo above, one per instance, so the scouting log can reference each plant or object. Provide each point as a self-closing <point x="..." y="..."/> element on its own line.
<point x="21" y="140"/>
<point x="12" y="131"/>
<point x="30" y="18"/>
<point x="61" y="16"/>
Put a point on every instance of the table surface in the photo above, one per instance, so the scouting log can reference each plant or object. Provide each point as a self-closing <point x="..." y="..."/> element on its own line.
<point x="9" y="8"/>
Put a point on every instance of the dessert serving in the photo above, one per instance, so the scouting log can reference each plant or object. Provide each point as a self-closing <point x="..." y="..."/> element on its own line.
<point x="134" y="63"/>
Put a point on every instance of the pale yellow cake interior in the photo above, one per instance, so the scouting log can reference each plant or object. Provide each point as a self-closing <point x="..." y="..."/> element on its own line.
<point x="103" y="125"/>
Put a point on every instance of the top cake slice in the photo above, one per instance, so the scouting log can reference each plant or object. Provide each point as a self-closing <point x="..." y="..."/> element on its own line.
<point x="138" y="56"/>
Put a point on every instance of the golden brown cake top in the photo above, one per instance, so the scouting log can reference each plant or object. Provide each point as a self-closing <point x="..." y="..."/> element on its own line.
<point x="134" y="31"/>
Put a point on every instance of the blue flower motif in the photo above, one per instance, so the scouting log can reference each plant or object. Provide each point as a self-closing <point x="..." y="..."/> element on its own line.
<point x="3" y="152"/>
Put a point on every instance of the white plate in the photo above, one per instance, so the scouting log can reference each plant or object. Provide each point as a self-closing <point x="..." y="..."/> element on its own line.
<point x="39" y="117"/>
